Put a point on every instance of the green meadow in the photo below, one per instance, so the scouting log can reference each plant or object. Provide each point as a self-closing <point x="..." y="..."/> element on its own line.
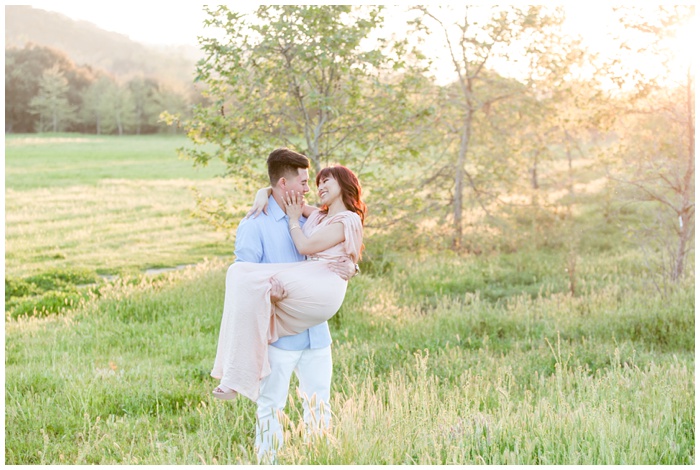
<point x="107" y="204"/>
<point x="438" y="358"/>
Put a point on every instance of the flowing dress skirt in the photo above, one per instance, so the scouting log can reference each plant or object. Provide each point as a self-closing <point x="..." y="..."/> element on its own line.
<point x="250" y="321"/>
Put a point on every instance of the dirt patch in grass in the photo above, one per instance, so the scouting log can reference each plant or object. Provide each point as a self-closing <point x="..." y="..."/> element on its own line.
<point x="47" y="140"/>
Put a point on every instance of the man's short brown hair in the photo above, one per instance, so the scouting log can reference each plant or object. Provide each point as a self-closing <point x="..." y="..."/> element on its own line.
<point x="285" y="162"/>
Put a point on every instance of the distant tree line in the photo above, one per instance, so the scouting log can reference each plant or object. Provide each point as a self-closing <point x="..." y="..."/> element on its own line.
<point x="45" y="91"/>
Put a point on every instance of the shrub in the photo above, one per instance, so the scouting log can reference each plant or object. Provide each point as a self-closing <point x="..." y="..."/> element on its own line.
<point x="56" y="278"/>
<point x="19" y="288"/>
<point x="46" y="304"/>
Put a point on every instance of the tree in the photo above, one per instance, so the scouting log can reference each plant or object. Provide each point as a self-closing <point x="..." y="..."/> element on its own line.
<point x="475" y="39"/>
<point x="144" y="92"/>
<point x="656" y="126"/>
<point x="133" y="108"/>
<point x="51" y="103"/>
<point x="96" y="111"/>
<point x="309" y="78"/>
<point x="166" y="100"/>
<point x="297" y="76"/>
<point x="24" y="69"/>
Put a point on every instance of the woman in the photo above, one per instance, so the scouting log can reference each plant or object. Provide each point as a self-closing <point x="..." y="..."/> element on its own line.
<point x="251" y="321"/>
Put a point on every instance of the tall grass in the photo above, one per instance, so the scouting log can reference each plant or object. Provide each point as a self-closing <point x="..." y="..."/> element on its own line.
<point x="526" y="380"/>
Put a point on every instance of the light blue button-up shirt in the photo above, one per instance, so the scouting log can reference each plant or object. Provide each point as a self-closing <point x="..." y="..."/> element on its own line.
<point x="266" y="239"/>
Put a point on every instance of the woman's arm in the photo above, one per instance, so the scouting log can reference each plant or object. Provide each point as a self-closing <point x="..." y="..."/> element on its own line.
<point x="322" y="239"/>
<point x="307" y="210"/>
<point x="260" y="202"/>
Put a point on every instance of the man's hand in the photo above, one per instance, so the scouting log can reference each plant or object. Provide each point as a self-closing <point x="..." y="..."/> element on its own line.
<point x="344" y="268"/>
<point x="277" y="292"/>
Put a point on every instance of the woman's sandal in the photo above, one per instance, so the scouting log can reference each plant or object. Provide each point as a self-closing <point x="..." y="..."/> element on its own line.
<point x="221" y="395"/>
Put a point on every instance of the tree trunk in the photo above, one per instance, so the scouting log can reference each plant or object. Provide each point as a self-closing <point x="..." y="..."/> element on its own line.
<point x="139" y="119"/>
<point x="459" y="182"/>
<point x="679" y="262"/>
<point x="570" y="160"/>
<point x="312" y="133"/>
<point x="120" y="126"/>
<point x="314" y="156"/>
<point x="686" y="217"/>
<point x="533" y="172"/>
<point x="465" y="136"/>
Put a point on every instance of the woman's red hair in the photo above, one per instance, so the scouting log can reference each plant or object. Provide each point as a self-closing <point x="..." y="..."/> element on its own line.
<point x="350" y="188"/>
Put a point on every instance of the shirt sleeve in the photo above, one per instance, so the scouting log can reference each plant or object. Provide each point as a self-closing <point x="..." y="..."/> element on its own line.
<point x="249" y="246"/>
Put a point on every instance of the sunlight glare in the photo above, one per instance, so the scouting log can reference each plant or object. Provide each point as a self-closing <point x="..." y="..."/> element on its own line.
<point x="684" y="43"/>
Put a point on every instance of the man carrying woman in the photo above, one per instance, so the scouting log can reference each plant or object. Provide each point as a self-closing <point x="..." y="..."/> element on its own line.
<point x="265" y="337"/>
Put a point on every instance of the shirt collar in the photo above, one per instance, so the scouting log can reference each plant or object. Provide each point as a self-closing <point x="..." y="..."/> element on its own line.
<point x="275" y="210"/>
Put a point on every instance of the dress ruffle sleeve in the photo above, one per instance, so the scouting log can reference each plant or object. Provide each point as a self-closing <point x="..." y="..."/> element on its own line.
<point x="312" y="222"/>
<point x="353" y="233"/>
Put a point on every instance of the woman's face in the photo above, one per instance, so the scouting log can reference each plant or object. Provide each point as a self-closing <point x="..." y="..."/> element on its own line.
<point x="328" y="190"/>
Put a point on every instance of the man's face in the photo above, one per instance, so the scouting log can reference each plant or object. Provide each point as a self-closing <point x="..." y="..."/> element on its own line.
<point x="298" y="183"/>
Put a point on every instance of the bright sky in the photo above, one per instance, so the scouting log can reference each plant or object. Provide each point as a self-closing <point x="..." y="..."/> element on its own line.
<point x="175" y="23"/>
<point x="156" y="22"/>
<point x="165" y="23"/>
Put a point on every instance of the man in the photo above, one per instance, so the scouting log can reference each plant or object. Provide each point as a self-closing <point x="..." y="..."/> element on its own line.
<point x="266" y="239"/>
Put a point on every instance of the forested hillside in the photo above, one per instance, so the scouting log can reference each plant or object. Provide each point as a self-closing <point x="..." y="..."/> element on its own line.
<point x="67" y="75"/>
<point x="86" y="44"/>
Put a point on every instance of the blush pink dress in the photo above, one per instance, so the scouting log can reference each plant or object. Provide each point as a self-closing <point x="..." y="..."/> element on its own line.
<point x="250" y="321"/>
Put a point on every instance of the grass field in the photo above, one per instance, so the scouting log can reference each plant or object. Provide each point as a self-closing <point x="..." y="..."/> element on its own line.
<point x="109" y="204"/>
<point x="438" y="359"/>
